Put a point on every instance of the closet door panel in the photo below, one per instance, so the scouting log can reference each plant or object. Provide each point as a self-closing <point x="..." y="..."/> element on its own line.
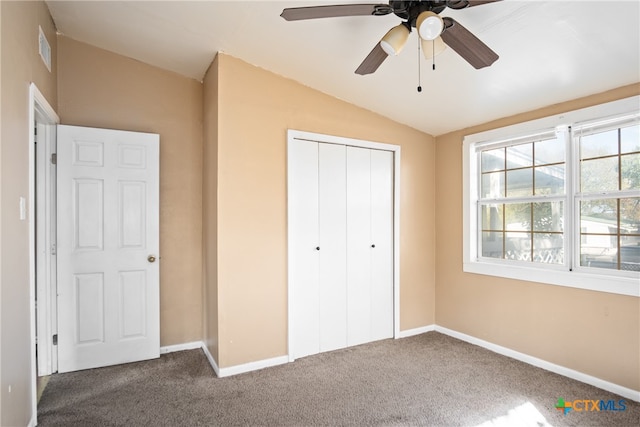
<point x="333" y="246"/>
<point x="303" y="240"/>
<point x="358" y="246"/>
<point x="382" y="237"/>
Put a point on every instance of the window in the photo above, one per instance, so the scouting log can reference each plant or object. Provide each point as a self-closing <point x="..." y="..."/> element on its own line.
<point x="608" y="197"/>
<point x="557" y="200"/>
<point x="521" y="200"/>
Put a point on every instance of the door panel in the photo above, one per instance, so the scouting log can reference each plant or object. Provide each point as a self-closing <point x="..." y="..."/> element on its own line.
<point x="358" y="245"/>
<point x="89" y="308"/>
<point x="88" y="229"/>
<point x="382" y="238"/>
<point x="302" y="186"/>
<point x="132" y="213"/>
<point x="333" y="246"/>
<point x="133" y="289"/>
<point x="108" y="226"/>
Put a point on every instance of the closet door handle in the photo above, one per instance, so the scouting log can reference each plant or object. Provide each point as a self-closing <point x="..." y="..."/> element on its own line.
<point x="373" y="246"/>
<point x="317" y="248"/>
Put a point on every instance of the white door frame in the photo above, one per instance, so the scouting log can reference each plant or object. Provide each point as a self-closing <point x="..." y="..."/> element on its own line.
<point x="40" y="112"/>
<point x="317" y="137"/>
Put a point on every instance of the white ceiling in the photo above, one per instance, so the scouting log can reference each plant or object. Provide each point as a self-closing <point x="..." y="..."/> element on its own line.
<point x="550" y="51"/>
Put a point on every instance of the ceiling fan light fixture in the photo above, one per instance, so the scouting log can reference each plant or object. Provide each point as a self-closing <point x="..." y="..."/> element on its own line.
<point x="432" y="48"/>
<point x="429" y="25"/>
<point x="394" y="41"/>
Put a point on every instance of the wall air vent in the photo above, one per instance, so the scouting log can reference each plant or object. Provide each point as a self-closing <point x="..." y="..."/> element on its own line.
<point x="44" y="48"/>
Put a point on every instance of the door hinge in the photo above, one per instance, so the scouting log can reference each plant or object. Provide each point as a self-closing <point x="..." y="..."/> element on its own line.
<point x="53" y="249"/>
<point x="55" y="339"/>
<point x="54" y="159"/>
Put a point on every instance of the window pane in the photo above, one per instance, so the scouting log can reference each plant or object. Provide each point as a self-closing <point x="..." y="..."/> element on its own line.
<point x="518" y="246"/>
<point x="492" y="244"/>
<point x="492" y="160"/>
<point x="599" y="175"/>
<point x="550" y="179"/>
<point x="599" y="216"/>
<point x="630" y="253"/>
<point x="548" y="248"/>
<point x="630" y="171"/>
<point x="518" y="216"/>
<point x="520" y="156"/>
<point x="549" y="151"/>
<point x="630" y="215"/>
<point x="599" y="144"/>
<point x="630" y="139"/>
<point x="520" y="183"/>
<point x="492" y="217"/>
<point x="492" y="185"/>
<point x="599" y="251"/>
<point x="547" y="216"/>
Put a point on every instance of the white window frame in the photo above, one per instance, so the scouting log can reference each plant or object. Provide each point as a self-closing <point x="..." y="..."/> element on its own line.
<point x="595" y="279"/>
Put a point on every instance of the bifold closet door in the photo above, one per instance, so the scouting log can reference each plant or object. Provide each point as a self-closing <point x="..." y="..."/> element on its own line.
<point x="317" y="254"/>
<point x="369" y="245"/>
<point x="304" y="278"/>
<point x="340" y="217"/>
<point x="382" y="238"/>
<point x="332" y="195"/>
<point x="359" y="245"/>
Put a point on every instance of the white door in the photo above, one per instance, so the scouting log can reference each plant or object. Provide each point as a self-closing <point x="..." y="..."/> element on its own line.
<point x="304" y="247"/>
<point x="359" y="245"/>
<point x="332" y="225"/>
<point x="108" y="247"/>
<point x="369" y="245"/>
<point x="382" y="244"/>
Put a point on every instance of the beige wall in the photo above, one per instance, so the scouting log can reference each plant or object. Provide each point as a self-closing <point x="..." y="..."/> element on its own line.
<point x="101" y="89"/>
<point x="21" y="65"/>
<point x="255" y="109"/>
<point x="592" y="332"/>
<point x="210" y="210"/>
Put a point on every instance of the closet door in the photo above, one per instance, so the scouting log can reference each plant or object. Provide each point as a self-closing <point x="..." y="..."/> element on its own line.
<point x="359" y="303"/>
<point x="382" y="239"/>
<point x="340" y="216"/>
<point x="369" y="245"/>
<point x="302" y="187"/>
<point x="333" y="246"/>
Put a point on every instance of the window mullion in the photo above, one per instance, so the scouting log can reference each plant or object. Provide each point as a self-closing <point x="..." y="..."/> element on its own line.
<point x="572" y="222"/>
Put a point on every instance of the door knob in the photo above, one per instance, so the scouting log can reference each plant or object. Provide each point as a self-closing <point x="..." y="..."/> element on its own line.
<point x="317" y="248"/>
<point x="151" y="258"/>
<point x="373" y="246"/>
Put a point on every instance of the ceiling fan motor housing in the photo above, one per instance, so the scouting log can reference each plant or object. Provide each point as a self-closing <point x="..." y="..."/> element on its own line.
<point x="410" y="10"/>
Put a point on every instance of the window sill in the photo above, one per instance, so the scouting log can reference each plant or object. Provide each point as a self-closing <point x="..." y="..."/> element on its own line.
<point x="574" y="279"/>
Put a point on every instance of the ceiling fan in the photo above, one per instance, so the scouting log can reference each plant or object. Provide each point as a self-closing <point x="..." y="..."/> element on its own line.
<point x="422" y="15"/>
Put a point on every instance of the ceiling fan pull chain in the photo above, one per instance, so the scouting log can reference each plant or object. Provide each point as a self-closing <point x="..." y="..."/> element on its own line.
<point x="419" y="73"/>
<point x="433" y="58"/>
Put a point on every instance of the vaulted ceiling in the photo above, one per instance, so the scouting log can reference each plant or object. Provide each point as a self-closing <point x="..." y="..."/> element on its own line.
<point x="550" y="51"/>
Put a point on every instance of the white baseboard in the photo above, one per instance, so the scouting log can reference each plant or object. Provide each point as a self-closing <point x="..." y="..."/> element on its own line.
<point x="211" y="360"/>
<point x="32" y="422"/>
<point x="241" y="369"/>
<point x="232" y="370"/>
<point x="416" y="331"/>
<point x="253" y="366"/>
<point x="570" y="373"/>
<point x="180" y="347"/>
